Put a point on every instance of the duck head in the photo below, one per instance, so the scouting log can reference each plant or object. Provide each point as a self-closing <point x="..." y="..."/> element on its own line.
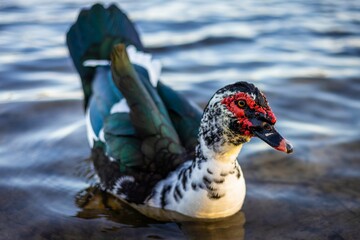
<point x="237" y="113"/>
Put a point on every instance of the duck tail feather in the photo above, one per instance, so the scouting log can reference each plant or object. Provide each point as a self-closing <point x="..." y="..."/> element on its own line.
<point x="93" y="36"/>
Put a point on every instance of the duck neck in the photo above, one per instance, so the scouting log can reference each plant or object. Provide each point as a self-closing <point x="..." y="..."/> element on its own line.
<point x="218" y="142"/>
<point x="218" y="154"/>
<point x="218" y="159"/>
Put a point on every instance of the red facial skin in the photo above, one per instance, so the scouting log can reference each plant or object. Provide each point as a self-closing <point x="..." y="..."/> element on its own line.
<point x="230" y="103"/>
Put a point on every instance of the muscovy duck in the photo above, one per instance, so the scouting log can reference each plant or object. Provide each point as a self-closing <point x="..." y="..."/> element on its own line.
<point x="150" y="145"/>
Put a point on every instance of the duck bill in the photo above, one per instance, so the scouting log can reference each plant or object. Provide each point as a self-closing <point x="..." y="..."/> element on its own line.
<point x="274" y="139"/>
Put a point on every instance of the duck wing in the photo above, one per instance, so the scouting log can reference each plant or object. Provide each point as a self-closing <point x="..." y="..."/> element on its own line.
<point x="160" y="143"/>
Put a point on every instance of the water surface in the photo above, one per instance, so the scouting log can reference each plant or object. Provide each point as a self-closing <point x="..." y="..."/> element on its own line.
<point x="303" y="54"/>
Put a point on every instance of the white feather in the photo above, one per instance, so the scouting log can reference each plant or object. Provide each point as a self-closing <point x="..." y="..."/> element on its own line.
<point x="120" y="106"/>
<point x="253" y="96"/>
<point x="153" y="67"/>
<point x="96" y="63"/>
<point x="102" y="135"/>
<point x="90" y="131"/>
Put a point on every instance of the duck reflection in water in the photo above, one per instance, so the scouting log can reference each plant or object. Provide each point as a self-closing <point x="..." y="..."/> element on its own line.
<point x="95" y="203"/>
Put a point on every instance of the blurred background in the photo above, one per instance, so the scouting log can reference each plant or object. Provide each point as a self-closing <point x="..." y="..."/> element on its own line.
<point x="305" y="56"/>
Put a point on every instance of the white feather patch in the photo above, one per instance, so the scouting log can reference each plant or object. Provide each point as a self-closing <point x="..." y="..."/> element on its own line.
<point x="120" y="106"/>
<point x="96" y="63"/>
<point x="253" y="95"/>
<point x="90" y="131"/>
<point x="102" y="135"/>
<point x="153" y="67"/>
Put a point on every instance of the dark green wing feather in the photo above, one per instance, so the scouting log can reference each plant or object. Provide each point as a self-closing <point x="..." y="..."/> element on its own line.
<point x="119" y="124"/>
<point x="184" y="115"/>
<point x="121" y="142"/>
<point x="143" y="76"/>
<point x="160" y="145"/>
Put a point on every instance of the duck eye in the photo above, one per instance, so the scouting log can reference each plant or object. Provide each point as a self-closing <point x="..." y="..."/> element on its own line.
<point x="241" y="103"/>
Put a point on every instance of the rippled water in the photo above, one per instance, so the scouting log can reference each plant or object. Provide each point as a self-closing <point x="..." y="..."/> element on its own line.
<point x="303" y="54"/>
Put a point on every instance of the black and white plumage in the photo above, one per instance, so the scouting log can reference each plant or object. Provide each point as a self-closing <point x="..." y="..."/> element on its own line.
<point x="150" y="146"/>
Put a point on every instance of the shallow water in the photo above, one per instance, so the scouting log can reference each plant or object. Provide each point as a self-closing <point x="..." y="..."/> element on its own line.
<point x="303" y="54"/>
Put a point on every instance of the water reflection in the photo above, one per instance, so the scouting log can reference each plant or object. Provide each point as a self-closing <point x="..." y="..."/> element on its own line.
<point x="95" y="203"/>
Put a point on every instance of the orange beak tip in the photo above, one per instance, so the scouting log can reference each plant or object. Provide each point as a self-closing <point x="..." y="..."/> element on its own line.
<point x="285" y="146"/>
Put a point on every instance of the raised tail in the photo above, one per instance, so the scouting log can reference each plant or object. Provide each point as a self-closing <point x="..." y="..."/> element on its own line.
<point x="93" y="36"/>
